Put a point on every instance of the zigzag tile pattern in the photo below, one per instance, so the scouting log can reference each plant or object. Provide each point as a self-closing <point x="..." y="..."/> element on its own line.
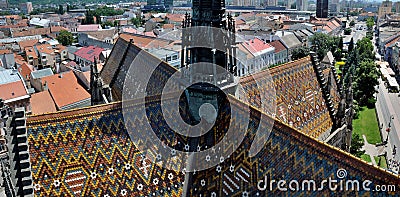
<point x="299" y="98"/>
<point x="287" y="155"/>
<point x="88" y="152"/>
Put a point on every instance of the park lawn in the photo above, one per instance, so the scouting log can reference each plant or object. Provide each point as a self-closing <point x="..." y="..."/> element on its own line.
<point x="367" y="124"/>
<point x="383" y="161"/>
<point x="366" y="158"/>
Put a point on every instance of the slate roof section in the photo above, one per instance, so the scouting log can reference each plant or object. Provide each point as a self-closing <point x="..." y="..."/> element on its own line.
<point x="291" y="41"/>
<point x="121" y="57"/>
<point x="42" y="73"/>
<point x="9" y="76"/>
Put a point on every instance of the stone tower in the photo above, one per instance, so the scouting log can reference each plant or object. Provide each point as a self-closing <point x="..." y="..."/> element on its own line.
<point x="208" y="54"/>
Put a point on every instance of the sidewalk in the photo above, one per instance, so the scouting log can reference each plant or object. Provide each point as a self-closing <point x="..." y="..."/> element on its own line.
<point x="372" y="150"/>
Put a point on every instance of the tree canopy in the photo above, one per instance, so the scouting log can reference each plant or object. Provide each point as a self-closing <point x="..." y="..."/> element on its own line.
<point x="351" y="45"/>
<point x="356" y="145"/>
<point x="65" y="38"/>
<point x="324" y="43"/>
<point x="366" y="78"/>
<point x="365" y="49"/>
<point x="370" y="23"/>
<point x="352" y="23"/>
<point x="300" y="53"/>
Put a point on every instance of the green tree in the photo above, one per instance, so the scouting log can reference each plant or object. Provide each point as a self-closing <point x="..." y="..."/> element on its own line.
<point x="370" y="23"/>
<point x="65" y="38"/>
<point x="324" y="43"/>
<point x="137" y="21"/>
<point x="366" y="78"/>
<point x="60" y="10"/>
<point x="352" y="23"/>
<point x="347" y="31"/>
<point x="365" y="49"/>
<point x="340" y="45"/>
<point x="356" y="145"/>
<point x="351" y="45"/>
<point x="338" y="54"/>
<point x="300" y="53"/>
<point x="89" y="19"/>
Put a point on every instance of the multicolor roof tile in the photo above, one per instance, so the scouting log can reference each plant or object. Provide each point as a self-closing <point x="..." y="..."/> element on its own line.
<point x="299" y="98"/>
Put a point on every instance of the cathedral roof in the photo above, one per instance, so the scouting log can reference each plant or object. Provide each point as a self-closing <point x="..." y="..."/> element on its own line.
<point x="299" y="99"/>
<point x="88" y="151"/>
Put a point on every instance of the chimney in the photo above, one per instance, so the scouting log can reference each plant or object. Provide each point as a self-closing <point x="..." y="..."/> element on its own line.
<point x="45" y="86"/>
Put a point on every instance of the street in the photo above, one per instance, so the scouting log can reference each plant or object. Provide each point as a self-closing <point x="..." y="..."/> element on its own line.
<point x="387" y="106"/>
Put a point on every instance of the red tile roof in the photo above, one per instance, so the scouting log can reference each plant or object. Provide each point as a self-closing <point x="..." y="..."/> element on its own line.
<point x="57" y="29"/>
<point x="29" y="51"/>
<point x="25" y="70"/>
<point x="168" y="26"/>
<point x="145" y="41"/>
<point x="65" y="89"/>
<point x="42" y="102"/>
<point x="12" y="90"/>
<point x="278" y="46"/>
<point x="5" y="51"/>
<point x="30" y="32"/>
<point x="256" y="45"/>
<point x="27" y="43"/>
<point x="392" y="42"/>
<point x="89" y="52"/>
<point x="88" y="28"/>
<point x="45" y="48"/>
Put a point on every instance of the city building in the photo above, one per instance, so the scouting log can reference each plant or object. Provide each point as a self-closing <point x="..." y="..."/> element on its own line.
<point x="104" y="38"/>
<point x="7" y="59"/>
<point x="87" y="56"/>
<point x="397" y="6"/>
<point x="302" y="5"/>
<point x="259" y="55"/>
<point x="281" y="52"/>
<point x="26" y="8"/>
<point x="110" y="148"/>
<point x="385" y="8"/>
<point x="322" y="9"/>
<point x="170" y="56"/>
<point x="166" y="3"/>
<point x="13" y="90"/>
<point x="334" y="7"/>
<point x="4" y="4"/>
<point x="270" y="3"/>
<point x="46" y="55"/>
<point x="290" y="4"/>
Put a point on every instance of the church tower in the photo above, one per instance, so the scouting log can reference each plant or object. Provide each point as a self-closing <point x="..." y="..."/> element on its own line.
<point x="208" y="54"/>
